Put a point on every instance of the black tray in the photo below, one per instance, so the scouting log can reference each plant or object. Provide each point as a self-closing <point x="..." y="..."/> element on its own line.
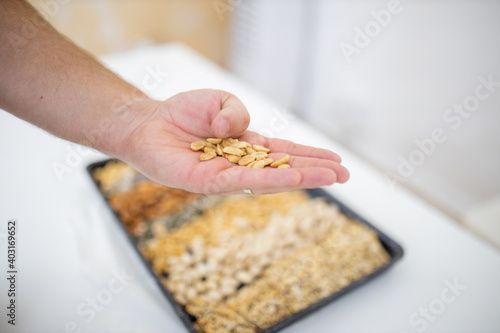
<point x="394" y="250"/>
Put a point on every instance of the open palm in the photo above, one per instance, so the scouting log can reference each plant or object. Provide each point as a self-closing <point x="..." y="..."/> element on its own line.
<point x="160" y="148"/>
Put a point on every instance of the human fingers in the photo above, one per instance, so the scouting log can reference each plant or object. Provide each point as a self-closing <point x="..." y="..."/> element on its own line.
<point x="291" y="148"/>
<point x="269" y="180"/>
<point x="311" y="162"/>
<point x="233" y="118"/>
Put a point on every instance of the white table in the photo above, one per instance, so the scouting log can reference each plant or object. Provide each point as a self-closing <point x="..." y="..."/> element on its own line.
<point x="69" y="243"/>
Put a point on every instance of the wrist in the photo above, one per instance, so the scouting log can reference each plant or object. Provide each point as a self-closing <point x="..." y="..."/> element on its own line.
<point x="114" y="130"/>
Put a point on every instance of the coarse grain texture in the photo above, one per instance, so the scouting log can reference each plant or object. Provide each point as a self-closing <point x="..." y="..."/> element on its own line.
<point x="244" y="263"/>
<point x="259" y="304"/>
<point x="147" y="200"/>
<point x="250" y="261"/>
<point x="115" y="175"/>
<point x="232" y="219"/>
<point x="201" y="306"/>
<point x="225" y="320"/>
<point x="312" y="273"/>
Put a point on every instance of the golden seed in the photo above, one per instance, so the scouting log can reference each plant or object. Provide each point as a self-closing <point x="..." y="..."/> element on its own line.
<point x="261" y="148"/>
<point x="232" y="151"/>
<point x="240" y="144"/>
<point x="240" y="152"/>
<point x="214" y="141"/>
<point x="251" y="164"/>
<point x="284" y="166"/>
<point x="233" y="158"/>
<point x="281" y="161"/>
<point x="268" y="161"/>
<point x="247" y="159"/>
<point x="228" y="142"/>
<point x="249" y="150"/>
<point x="260" y="155"/>
<point x="208" y="149"/>
<point x="259" y="164"/>
<point x="198" y="145"/>
<point x="218" y="150"/>
<point x="207" y="156"/>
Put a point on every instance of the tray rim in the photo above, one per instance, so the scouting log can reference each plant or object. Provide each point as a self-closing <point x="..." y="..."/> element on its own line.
<point x="395" y="251"/>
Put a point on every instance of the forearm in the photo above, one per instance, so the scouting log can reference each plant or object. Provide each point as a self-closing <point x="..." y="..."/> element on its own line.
<point x="46" y="80"/>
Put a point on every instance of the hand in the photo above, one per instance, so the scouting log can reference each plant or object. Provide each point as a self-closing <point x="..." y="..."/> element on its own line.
<point x="159" y="148"/>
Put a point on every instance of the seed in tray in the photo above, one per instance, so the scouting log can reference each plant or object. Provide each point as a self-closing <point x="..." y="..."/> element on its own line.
<point x="243" y="277"/>
<point x="268" y="270"/>
<point x="224" y="320"/>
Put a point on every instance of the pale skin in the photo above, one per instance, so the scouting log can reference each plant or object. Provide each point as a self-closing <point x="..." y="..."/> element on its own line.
<point x="48" y="81"/>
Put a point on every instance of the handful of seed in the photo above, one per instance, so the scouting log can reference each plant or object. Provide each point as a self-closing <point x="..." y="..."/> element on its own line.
<point x="239" y="152"/>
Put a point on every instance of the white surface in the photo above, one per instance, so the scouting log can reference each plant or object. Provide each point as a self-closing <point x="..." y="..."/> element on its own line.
<point x="484" y="219"/>
<point x="69" y="242"/>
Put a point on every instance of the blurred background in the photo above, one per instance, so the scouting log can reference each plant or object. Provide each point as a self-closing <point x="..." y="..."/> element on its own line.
<point x="413" y="87"/>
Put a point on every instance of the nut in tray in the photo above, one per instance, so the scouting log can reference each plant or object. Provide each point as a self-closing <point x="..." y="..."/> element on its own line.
<point x="244" y="263"/>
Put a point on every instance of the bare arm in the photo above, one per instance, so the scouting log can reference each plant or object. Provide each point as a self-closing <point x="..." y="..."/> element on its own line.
<point x="48" y="81"/>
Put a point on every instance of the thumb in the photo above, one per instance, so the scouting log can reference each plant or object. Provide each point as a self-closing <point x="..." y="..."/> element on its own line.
<point x="233" y="118"/>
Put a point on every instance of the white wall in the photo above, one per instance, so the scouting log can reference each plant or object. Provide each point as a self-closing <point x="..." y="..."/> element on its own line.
<point x="266" y="45"/>
<point x="398" y="88"/>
